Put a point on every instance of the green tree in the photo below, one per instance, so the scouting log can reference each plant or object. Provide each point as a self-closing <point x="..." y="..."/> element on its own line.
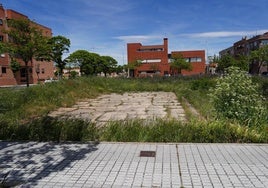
<point x="2" y="47"/>
<point x="59" y="45"/>
<point x="26" y="42"/>
<point x="107" y="65"/>
<point x="120" y="68"/>
<point x="259" y="56"/>
<point x="225" y="62"/>
<point x="73" y="74"/>
<point x="14" y="65"/>
<point x="88" y="62"/>
<point x="131" y="66"/>
<point x="229" y="61"/>
<point x="243" y="62"/>
<point x="178" y="63"/>
<point x="236" y="97"/>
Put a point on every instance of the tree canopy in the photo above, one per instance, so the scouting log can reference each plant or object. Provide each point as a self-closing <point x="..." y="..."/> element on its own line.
<point x="26" y="42"/>
<point x="229" y="61"/>
<point x="92" y="63"/>
<point x="108" y="64"/>
<point x="59" y="46"/>
<point x="178" y="63"/>
<point x="260" y="56"/>
<point x="88" y="62"/>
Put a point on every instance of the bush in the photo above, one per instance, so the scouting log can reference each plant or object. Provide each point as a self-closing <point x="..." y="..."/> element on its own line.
<point x="263" y="82"/>
<point x="236" y="97"/>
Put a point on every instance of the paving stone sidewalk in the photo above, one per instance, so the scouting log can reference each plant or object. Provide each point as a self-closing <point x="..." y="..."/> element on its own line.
<point x="33" y="164"/>
<point x="111" y="107"/>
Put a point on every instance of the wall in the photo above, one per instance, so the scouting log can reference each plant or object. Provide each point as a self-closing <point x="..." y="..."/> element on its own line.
<point x="137" y="51"/>
<point x="197" y="67"/>
<point x="45" y="68"/>
<point x="155" y="58"/>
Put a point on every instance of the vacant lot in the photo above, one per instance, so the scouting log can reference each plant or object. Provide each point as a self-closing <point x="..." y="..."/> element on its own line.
<point x="32" y="113"/>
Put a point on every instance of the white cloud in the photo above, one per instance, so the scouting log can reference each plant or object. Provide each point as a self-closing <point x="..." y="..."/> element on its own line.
<point x="138" y="38"/>
<point x="220" y="34"/>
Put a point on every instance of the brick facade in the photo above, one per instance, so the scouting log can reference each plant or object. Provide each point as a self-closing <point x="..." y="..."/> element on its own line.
<point x="196" y="58"/>
<point x="244" y="47"/>
<point x="38" y="70"/>
<point x="154" y="60"/>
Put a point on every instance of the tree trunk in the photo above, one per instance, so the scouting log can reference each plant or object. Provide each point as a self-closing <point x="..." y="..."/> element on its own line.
<point x="27" y="74"/>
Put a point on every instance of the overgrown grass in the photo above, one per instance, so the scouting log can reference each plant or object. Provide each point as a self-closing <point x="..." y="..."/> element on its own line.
<point x="49" y="129"/>
<point x="23" y="113"/>
<point x="56" y="129"/>
<point x="176" y="131"/>
<point x="35" y="101"/>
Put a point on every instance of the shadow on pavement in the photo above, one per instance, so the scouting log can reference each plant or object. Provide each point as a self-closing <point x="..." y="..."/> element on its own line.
<point x="26" y="163"/>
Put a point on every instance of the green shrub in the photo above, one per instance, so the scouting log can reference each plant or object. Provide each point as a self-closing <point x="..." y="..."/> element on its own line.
<point x="236" y="97"/>
<point x="263" y="82"/>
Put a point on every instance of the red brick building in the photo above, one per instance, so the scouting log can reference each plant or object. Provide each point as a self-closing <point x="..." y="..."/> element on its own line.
<point x="196" y="58"/>
<point x="38" y="70"/>
<point x="153" y="60"/>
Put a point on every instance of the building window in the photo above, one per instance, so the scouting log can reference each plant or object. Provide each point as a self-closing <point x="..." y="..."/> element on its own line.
<point x="1" y="38"/>
<point x="151" y="61"/>
<point x="4" y="70"/>
<point x="1" y="22"/>
<point x="43" y="71"/>
<point x="187" y="60"/>
<point x="151" y="50"/>
<point x="196" y="59"/>
<point x="193" y="59"/>
<point x="264" y="42"/>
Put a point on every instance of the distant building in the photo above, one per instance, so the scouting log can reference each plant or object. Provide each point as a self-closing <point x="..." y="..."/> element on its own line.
<point x="196" y="58"/>
<point x="245" y="47"/>
<point x="227" y="51"/>
<point x="153" y="60"/>
<point x="67" y="71"/>
<point x="38" y="70"/>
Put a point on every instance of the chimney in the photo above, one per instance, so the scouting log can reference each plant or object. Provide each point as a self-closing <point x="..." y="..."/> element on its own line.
<point x="166" y="44"/>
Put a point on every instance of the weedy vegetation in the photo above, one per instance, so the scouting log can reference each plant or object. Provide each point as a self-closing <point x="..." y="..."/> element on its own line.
<point x="233" y="109"/>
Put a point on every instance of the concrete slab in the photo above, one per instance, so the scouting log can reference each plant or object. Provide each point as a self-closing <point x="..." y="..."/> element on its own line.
<point x="33" y="164"/>
<point x="143" y="105"/>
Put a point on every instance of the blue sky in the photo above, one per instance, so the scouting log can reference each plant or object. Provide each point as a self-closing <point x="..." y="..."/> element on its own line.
<point x="106" y="26"/>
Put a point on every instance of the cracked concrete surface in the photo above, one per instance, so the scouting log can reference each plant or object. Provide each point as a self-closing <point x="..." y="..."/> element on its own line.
<point x="113" y="107"/>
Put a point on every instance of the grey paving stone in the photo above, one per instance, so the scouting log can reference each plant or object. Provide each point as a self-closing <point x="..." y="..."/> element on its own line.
<point x="119" y="165"/>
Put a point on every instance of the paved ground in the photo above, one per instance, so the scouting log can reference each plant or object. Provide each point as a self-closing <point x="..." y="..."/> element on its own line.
<point x="118" y="165"/>
<point x="143" y="105"/>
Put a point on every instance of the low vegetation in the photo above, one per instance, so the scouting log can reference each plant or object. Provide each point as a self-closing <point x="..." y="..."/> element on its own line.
<point x="23" y="113"/>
